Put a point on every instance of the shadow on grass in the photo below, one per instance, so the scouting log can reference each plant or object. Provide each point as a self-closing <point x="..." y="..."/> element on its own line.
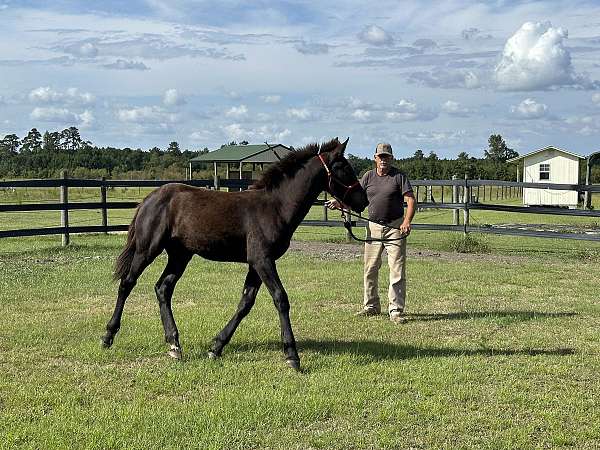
<point x="379" y="351"/>
<point x="388" y="351"/>
<point x="466" y="315"/>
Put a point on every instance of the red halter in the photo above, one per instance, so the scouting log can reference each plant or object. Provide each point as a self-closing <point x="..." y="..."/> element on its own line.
<point x="332" y="179"/>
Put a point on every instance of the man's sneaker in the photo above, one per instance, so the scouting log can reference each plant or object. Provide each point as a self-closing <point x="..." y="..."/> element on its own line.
<point x="397" y="316"/>
<point x="366" y="312"/>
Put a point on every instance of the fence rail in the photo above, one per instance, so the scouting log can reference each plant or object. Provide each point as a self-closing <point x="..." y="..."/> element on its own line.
<point x="462" y="200"/>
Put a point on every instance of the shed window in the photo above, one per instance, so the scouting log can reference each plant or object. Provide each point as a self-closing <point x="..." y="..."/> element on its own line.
<point x="544" y="171"/>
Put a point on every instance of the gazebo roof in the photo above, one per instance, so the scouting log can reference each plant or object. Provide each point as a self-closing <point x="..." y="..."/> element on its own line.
<point x="260" y="153"/>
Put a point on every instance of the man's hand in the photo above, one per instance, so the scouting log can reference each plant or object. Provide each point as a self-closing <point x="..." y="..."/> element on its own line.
<point x="405" y="228"/>
<point x="333" y="204"/>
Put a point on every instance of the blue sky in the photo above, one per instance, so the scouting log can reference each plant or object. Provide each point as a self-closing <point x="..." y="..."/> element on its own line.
<point x="438" y="76"/>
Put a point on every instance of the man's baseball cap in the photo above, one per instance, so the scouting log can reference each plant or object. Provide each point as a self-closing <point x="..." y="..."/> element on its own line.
<point x="383" y="149"/>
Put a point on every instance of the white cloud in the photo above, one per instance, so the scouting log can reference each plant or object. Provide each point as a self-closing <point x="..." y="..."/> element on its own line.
<point x="53" y="115"/>
<point x="70" y="96"/>
<point x="235" y="132"/>
<point x="202" y="135"/>
<point x="173" y="98"/>
<point x="270" y="133"/>
<point x="584" y="125"/>
<point x="233" y="95"/>
<point x="425" y="44"/>
<point x="62" y="115"/>
<point x="444" y="78"/>
<point x="535" y="58"/>
<point x="474" y="34"/>
<point x="152" y="44"/>
<point x="274" y="133"/>
<point x="86" y="119"/>
<point x="375" y="35"/>
<point x="455" y="109"/>
<point x="273" y="99"/>
<point x="123" y="64"/>
<point x="237" y="112"/>
<point x="596" y="98"/>
<point x="311" y="48"/>
<point x="529" y="109"/>
<point x="434" y="137"/>
<point x="82" y="49"/>
<point x="406" y="110"/>
<point x="146" y="115"/>
<point x="299" y="114"/>
<point x="262" y="117"/>
<point x="362" y="115"/>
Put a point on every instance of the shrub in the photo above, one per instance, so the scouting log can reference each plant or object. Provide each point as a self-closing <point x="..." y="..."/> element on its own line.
<point x="461" y="243"/>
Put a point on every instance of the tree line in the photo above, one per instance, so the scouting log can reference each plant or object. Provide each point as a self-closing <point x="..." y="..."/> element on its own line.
<point x="492" y="166"/>
<point x="44" y="156"/>
<point x="37" y="156"/>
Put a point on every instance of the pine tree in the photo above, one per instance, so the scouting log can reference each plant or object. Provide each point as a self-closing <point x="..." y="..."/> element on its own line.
<point x="11" y="143"/>
<point x="32" y="142"/>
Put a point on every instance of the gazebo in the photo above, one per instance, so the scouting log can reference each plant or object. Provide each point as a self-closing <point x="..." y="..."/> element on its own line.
<point x="235" y="156"/>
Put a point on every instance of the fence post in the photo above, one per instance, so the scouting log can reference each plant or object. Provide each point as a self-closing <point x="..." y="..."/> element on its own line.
<point x="103" y="201"/>
<point x="455" y="216"/>
<point x="325" y="208"/>
<point x="466" y="200"/>
<point x="64" y="213"/>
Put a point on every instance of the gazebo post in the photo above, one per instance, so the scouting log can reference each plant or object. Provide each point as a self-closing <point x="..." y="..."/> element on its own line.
<point x="241" y="170"/>
<point x="216" y="180"/>
<point x="587" y="199"/>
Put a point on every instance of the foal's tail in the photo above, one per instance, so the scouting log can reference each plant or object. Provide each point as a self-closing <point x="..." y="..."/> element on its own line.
<point x="123" y="263"/>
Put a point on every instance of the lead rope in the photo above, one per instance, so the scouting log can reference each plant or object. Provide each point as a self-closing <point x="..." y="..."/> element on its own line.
<point x="348" y="226"/>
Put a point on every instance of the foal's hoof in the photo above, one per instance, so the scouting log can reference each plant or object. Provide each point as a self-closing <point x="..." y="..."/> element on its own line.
<point x="107" y="341"/>
<point x="213" y="355"/>
<point x="175" y="353"/>
<point x="293" y="363"/>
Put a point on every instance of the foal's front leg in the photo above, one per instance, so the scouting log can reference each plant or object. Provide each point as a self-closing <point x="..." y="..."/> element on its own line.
<point x="251" y="287"/>
<point x="268" y="273"/>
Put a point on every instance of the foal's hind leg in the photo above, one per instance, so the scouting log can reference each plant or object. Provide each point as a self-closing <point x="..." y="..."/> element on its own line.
<point x="140" y="261"/>
<point x="251" y="287"/>
<point x="164" y="292"/>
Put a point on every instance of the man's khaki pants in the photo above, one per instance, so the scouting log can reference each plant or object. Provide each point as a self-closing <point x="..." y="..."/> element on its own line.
<point x="396" y="252"/>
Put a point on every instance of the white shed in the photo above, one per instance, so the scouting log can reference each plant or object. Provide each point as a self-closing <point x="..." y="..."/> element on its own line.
<point x="549" y="165"/>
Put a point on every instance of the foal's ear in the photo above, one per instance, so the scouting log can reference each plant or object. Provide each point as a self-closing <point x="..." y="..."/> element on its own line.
<point x="343" y="145"/>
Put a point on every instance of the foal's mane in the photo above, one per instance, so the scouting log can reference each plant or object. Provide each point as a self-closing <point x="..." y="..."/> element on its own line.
<point x="288" y="166"/>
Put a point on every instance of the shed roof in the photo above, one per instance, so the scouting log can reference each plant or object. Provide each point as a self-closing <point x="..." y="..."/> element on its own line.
<point x="550" y="147"/>
<point x="260" y="153"/>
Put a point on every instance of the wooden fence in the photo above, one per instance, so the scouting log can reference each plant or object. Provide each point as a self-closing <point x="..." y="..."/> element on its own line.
<point x="464" y="196"/>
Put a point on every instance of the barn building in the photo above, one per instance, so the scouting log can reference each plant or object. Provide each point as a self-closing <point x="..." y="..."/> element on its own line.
<point x="549" y="165"/>
<point x="242" y="161"/>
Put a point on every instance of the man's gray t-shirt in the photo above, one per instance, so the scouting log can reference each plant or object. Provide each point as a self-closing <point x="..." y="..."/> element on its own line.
<point x="385" y="194"/>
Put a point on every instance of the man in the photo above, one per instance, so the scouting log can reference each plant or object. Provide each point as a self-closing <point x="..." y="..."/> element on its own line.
<point x="387" y="188"/>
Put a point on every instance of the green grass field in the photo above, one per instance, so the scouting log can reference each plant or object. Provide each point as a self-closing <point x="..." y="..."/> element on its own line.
<point x="501" y="350"/>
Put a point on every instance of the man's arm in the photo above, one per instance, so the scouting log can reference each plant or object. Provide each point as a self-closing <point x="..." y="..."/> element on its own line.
<point x="411" y="206"/>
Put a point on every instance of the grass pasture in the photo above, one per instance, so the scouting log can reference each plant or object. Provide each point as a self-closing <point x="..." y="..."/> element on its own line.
<point x="500" y="351"/>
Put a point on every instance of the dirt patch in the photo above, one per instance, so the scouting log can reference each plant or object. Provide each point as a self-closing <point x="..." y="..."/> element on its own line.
<point x="345" y="252"/>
